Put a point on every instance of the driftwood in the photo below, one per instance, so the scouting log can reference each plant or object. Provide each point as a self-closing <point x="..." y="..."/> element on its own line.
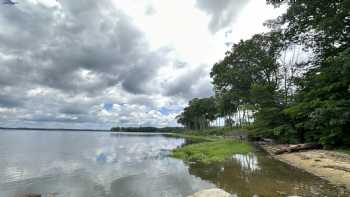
<point x="297" y="147"/>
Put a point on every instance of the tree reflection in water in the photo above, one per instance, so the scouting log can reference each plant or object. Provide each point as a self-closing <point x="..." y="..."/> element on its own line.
<point x="258" y="174"/>
<point x="248" y="162"/>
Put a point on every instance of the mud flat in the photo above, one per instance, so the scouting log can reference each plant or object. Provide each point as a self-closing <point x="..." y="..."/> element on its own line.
<point x="329" y="165"/>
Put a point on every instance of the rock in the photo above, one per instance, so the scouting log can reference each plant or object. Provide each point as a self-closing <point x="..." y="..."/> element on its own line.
<point x="212" y="193"/>
<point x="281" y="193"/>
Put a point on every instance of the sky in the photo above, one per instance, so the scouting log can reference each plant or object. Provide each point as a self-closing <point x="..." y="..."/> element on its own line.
<point x="97" y="64"/>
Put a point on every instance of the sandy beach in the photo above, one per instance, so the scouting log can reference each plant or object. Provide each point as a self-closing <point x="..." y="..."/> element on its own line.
<point x="330" y="165"/>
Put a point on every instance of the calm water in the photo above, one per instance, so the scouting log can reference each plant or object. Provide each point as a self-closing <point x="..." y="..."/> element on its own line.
<point x="87" y="164"/>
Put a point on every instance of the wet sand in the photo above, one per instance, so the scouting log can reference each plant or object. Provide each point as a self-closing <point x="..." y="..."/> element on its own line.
<point x="329" y="165"/>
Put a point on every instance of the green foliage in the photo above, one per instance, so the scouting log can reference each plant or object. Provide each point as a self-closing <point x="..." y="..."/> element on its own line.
<point x="249" y="63"/>
<point x="227" y="103"/>
<point x="212" y="132"/>
<point x="271" y="122"/>
<point x="322" y="110"/>
<point x="199" y="113"/>
<point x="320" y="25"/>
<point x="250" y="77"/>
<point x="193" y="137"/>
<point x="207" y="152"/>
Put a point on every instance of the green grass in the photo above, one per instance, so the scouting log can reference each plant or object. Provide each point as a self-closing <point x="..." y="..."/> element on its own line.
<point x="194" y="138"/>
<point x="213" y="131"/>
<point x="212" y="151"/>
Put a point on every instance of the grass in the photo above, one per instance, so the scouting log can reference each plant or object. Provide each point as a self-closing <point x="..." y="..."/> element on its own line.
<point x="194" y="138"/>
<point x="214" y="131"/>
<point x="210" y="145"/>
<point x="211" y="151"/>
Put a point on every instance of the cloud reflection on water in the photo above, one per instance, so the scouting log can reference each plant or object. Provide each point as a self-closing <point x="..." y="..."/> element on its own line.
<point x="79" y="164"/>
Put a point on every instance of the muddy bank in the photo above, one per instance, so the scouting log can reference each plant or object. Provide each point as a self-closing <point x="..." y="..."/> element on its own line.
<point x="329" y="165"/>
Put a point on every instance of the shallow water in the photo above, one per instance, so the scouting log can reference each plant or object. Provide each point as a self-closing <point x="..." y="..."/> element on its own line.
<point x="103" y="164"/>
<point x="259" y="175"/>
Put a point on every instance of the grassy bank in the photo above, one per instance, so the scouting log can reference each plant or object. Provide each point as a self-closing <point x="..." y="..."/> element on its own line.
<point x="194" y="138"/>
<point x="210" y="145"/>
<point x="212" y="151"/>
<point x="221" y="131"/>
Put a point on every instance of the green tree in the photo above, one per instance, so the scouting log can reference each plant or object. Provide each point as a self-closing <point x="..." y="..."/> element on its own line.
<point x="199" y="113"/>
<point x="323" y="26"/>
<point x="320" y="112"/>
<point x="322" y="109"/>
<point x="249" y="76"/>
<point x="250" y="62"/>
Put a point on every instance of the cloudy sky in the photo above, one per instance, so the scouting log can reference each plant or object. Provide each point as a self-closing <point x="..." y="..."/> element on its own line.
<point x="97" y="64"/>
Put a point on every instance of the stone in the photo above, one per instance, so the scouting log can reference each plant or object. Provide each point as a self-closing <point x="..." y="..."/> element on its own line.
<point x="211" y="193"/>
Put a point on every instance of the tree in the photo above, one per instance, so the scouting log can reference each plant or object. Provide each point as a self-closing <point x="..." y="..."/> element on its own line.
<point x="250" y="62"/>
<point x="320" y="112"/>
<point x="322" y="26"/>
<point x="249" y="76"/>
<point x="199" y="113"/>
<point x="289" y="105"/>
<point x="227" y="106"/>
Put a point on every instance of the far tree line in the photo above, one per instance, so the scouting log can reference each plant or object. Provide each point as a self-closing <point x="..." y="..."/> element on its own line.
<point x="291" y="84"/>
<point x="147" y="129"/>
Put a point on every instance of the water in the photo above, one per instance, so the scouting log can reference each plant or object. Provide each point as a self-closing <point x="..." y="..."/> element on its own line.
<point x="103" y="164"/>
<point x="259" y="175"/>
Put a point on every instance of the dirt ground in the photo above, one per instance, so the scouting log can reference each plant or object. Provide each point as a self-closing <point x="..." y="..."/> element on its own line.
<point x="329" y="165"/>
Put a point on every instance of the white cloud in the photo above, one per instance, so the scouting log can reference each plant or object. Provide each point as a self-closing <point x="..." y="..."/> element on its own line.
<point x="87" y="64"/>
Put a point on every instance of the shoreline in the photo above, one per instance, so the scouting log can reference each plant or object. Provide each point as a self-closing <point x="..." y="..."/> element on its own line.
<point x="332" y="166"/>
<point x="328" y="165"/>
<point x="208" y="149"/>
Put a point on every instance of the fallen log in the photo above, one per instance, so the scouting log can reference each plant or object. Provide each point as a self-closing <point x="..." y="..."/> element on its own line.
<point x="297" y="148"/>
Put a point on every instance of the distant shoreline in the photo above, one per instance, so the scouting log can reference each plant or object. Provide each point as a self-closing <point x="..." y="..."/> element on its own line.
<point x="147" y="129"/>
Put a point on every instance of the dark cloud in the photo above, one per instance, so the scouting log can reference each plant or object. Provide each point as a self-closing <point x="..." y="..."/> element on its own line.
<point x="190" y="84"/>
<point x="144" y="70"/>
<point x="222" y="12"/>
<point x="85" y="46"/>
<point x="51" y="118"/>
<point x="8" y="101"/>
<point x="74" y="110"/>
<point x="60" y="64"/>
